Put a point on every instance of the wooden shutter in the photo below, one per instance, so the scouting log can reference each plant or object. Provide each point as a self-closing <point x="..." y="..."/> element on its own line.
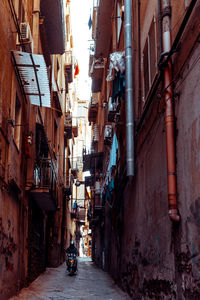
<point x="146" y="68"/>
<point x="152" y="51"/>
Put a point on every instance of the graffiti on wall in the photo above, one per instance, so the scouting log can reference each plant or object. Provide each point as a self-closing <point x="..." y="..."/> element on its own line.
<point x="186" y="261"/>
<point x="130" y="276"/>
<point x="7" y="245"/>
<point x="151" y="254"/>
<point x="158" y="289"/>
<point x="133" y="282"/>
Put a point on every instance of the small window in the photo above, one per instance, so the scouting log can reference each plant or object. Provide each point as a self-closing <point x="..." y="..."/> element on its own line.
<point x="55" y="137"/>
<point x="3" y="156"/>
<point x="119" y="20"/>
<point x="17" y="128"/>
<point x="149" y="59"/>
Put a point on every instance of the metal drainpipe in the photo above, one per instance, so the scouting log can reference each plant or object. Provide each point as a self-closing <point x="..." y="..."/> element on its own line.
<point x="129" y="88"/>
<point x="160" y="26"/>
<point x="169" y="116"/>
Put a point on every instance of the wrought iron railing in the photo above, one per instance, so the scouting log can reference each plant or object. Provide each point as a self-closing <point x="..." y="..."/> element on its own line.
<point x="45" y="177"/>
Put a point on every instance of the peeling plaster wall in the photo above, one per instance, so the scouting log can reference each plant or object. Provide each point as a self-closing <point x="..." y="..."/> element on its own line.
<point x="153" y="258"/>
<point x="161" y="260"/>
<point x="10" y="245"/>
<point x="13" y="212"/>
<point x="188" y="170"/>
<point x="147" y="262"/>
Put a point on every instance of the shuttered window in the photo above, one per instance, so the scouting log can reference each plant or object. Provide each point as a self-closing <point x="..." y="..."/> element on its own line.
<point x="149" y="59"/>
<point x="146" y="68"/>
<point x="17" y="128"/>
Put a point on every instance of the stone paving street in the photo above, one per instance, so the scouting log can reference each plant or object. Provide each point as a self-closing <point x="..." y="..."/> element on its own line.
<point x="91" y="283"/>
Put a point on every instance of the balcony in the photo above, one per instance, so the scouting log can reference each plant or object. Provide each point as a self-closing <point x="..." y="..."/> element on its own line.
<point x="68" y="67"/>
<point x="45" y="191"/>
<point x="81" y="215"/>
<point x="98" y="210"/>
<point x="75" y="126"/>
<point x="92" y="114"/>
<point x="73" y="214"/>
<point x="68" y="125"/>
<point x="93" y="108"/>
<point x="67" y="189"/>
<point x="93" y="161"/>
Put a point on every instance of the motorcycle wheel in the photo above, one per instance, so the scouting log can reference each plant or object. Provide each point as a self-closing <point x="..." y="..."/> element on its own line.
<point x="71" y="271"/>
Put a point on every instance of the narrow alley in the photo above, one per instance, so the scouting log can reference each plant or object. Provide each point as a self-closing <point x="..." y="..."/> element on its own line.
<point x="89" y="283"/>
<point x="100" y="149"/>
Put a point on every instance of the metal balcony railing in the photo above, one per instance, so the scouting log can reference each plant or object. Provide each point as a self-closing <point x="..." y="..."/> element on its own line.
<point x="45" y="177"/>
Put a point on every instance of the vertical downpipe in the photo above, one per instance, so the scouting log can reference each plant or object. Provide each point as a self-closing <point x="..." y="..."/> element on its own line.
<point x="160" y="26"/>
<point x="169" y="117"/>
<point x="129" y="88"/>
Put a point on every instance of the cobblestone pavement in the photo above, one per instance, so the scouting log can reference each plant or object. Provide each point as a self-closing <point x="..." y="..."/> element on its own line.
<point x="90" y="283"/>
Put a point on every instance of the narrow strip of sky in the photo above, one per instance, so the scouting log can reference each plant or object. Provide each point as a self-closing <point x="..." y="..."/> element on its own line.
<point x="80" y="13"/>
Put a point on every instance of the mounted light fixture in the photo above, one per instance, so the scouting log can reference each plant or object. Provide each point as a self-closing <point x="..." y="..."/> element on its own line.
<point x="78" y="182"/>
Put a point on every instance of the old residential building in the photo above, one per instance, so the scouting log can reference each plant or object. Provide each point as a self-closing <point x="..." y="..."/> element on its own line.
<point x="36" y="71"/>
<point x="145" y="109"/>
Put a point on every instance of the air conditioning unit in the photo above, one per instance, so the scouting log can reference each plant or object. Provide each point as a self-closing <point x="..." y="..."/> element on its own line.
<point x="25" y="37"/>
<point x="25" y="31"/>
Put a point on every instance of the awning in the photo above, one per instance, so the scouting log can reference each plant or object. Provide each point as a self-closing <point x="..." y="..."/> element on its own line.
<point x="32" y="73"/>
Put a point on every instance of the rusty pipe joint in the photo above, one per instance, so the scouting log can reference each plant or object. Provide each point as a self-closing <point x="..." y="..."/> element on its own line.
<point x="174" y="215"/>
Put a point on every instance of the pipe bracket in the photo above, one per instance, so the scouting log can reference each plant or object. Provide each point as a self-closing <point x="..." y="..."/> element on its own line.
<point x="167" y="11"/>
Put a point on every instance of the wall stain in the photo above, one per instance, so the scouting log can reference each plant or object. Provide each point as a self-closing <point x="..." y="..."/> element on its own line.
<point x="7" y="245"/>
<point x="158" y="289"/>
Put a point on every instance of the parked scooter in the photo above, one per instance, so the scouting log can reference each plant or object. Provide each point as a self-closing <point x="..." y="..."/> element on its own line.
<point x="71" y="263"/>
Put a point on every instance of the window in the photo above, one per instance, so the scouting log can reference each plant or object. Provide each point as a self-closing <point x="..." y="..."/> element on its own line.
<point x="3" y="156"/>
<point x="149" y="59"/>
<point x="119" y="20"/>
<point x="17" y="127"/>
<point x="55" y="137"/>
